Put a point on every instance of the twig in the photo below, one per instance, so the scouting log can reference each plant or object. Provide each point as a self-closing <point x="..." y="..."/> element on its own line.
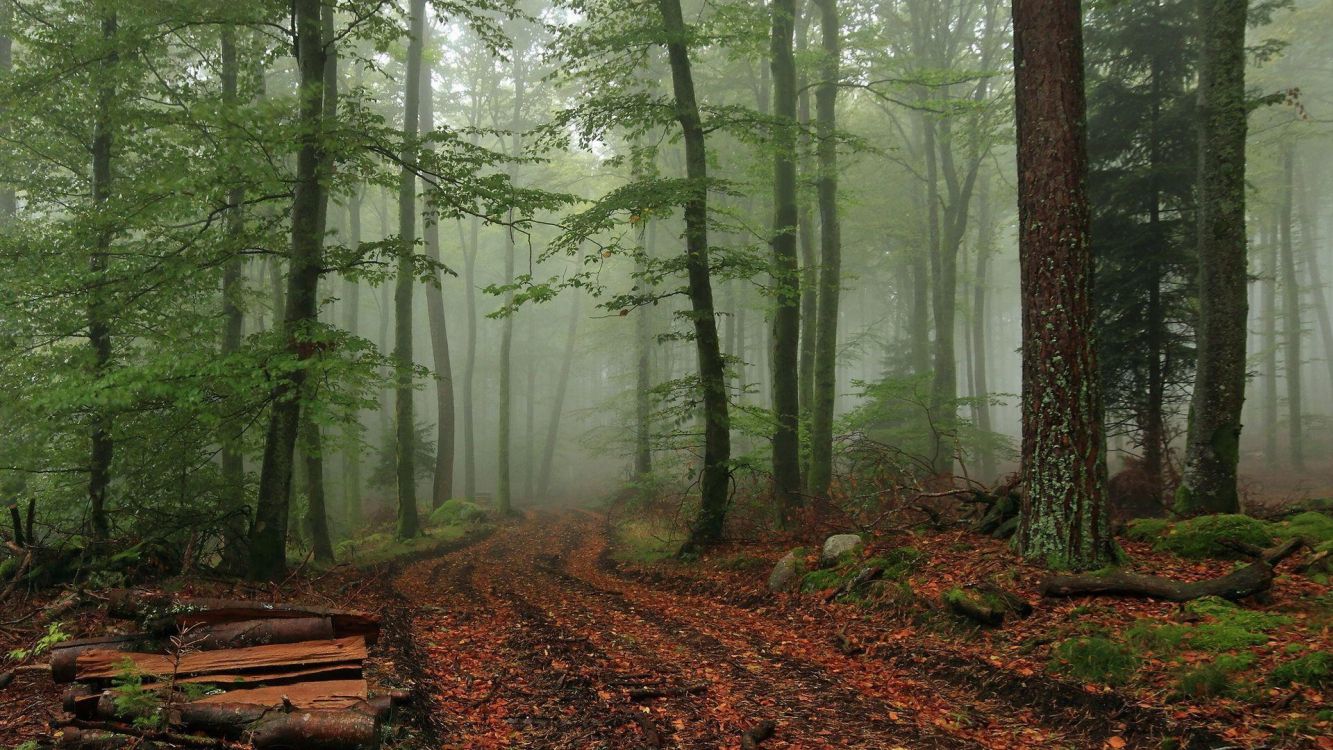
<point x="647" y="693"/>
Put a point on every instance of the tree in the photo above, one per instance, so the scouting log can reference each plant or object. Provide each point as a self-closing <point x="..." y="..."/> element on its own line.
<point x="1063" y="518"/>
<point x="268" y="539"/>
<point x="830" y="254"/>
<point x="786" y="274"/>
<point x="409" y="524"/>
<point x="1212" y="450"/>
<point x="99" y="330"/>
<point x="1291" y="310"/>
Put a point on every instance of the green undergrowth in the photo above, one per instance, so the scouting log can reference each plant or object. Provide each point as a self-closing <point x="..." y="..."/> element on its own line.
<point x="1312" y="670"/>
<point x="1094" y="659"/>
<point x="644" y="541"/>
<point x="382" y="546"/>
<point x="1211" y="536"/>
<point x="896" y="563"/>
<point x="1216" y="626"/>
<point x="457" y="511"/>
<point x="1217" y="678"/>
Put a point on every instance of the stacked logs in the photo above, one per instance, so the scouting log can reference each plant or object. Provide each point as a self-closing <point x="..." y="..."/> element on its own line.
<point x="207" y="672"/>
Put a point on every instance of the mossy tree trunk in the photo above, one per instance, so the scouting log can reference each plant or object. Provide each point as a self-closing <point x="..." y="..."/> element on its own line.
<point x="1213" y="447"/>
<point x="1063" y="517"/>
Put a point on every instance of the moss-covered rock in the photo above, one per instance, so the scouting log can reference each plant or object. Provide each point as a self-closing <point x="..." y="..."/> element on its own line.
<point x="1210" y="536"/>
<point x="1315" y="527"/>
<point x="787" y="571"/>
<point x="457" y="511"/>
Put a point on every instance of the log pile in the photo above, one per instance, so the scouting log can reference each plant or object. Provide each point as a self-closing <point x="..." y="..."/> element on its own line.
<point x="212" y="672"/>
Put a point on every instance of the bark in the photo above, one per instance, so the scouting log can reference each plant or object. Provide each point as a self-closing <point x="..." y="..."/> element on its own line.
<point x="785" y="270"/>
<point x="830" y="248"/>
<point x="1238" y="584"/>
<point x="443" y="487"/>
<point x="1063" y="519"/>
<point x="106" y="664"/>
<point x="470" y="361"/>
<point x="558" y="404"/>
<point x="1310" y="248"/>
<point x="806" y="232"/>
<point x="352" y="459"/>
<point x="233" y="321"/>
<point x="166" y="613"/>
<point x="1153" y="420"/>
<point x="409" y="523"/>
<point x="1291" y="312"/>
<point x="268" y="539"/>
<point x="317" y="518"/>
<point x="1268" y="343"/>
<point x="99" y="324"/>
<point x="8" y="199"/>
<point x="1213" y="446"/>
<point x="980" y="388"/>
<point x="503" y="495"/>
<point x="643" y="375"/>
<point x="707" y="526"/>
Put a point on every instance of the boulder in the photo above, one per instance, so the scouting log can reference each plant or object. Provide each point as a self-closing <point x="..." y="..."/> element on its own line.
<point x="838" y="545"/>
<point x="787" y="572"/>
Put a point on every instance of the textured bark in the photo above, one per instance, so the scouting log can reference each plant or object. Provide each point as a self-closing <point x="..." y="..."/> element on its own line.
<point x="1063" y="518"/>
<point x="268" y="540"/>
<point x="504" y="495"/>
<point x="233" y="322"/>
<point x="830" y="255"/>
<point x="1268" y="345"/>
<point x="317" y="517"/>
<point x="351" y="321"/>
<point x="785" y="271"/>
<point x="443" y="487"/>
<point x="1213" y="447"/>
<point x="643" y="374"/>
<point x="558" y="403"/>
<point x="409" y="522"/>
<point x="8" y="200"/>
<point x="980" y="388"/>
<point x="106" y="664"/>
<point x="1291" y="312"/>
<point x="707" y="526"/>
<point x="99" y="324"/>
<point x="805" y="222"/>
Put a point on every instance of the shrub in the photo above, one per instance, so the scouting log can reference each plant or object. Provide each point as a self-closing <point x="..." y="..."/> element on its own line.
<point x="1312" y="670"/>
<point x="1207" y="536"/>
<point x="1213" y="679"/>
<point x="1094" y="659"/>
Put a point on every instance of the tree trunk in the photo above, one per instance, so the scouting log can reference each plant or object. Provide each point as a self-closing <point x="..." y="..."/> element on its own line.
<point x="317" y="517"/>
<point x="1268" y="342"/>
<point x="1291" y="313"/>
<point x="8" y="199"/>
<point x="785" y="270"/>
<point x="470" y="360"/>
<point x="409" y="522"/>
<point x="1063" y="519"/>
<point x="643" y="375"/>
<point x="504" y="499"/>
<point x="707" y="527"/>
<point x="558" y="404"/>
<point x="352" y="466"/>
<point x="233" y="320"/>
<point x="1310" y="246"/>
<point x="99" y="327"/>
<point x="1213" y="447"/>
<point x="805" y="223"/>
<point x="981" y="389"/>
<point x="830" y="247"/>
<point x="269" y="537"/>
<point x="443" y="487"/>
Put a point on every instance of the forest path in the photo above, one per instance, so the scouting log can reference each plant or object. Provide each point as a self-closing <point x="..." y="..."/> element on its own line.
<point x="528" y="639"/>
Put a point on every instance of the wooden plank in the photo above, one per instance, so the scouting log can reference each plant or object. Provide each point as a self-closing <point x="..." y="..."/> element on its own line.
<point x="330" y="694"/>
<point x="106" y="664"/>
<point x="226" y="681"/>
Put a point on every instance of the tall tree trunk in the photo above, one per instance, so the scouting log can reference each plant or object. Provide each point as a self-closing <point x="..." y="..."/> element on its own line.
<point x="1310" y="246"/>
<point x="981" y="389"/>
<point x="409" y="522"/>
<point x="443" y="487"/>
<point x="1268" y="343"/>
<point x="830" y="247"/>
<point x="504" y="499"/>
<point x="1213" y="448"/>
<point x="352" y="465"/>
<point x="786" y="272"/>
<point x="558" y="403"/>
<point x="317" y="517"/>
<point x="643" y="375"/>
<point x="805" y="222"/>
<point x="269" y="537"/>
<point x="1153" y="419"/>
<point x="470" y="360"/>
<point x="1291" y="313"/>
<point x="707" y="527"/>
<point x="99" y="327"/>
<point x="233" y="322"/>
<point x="1063" y="518"/>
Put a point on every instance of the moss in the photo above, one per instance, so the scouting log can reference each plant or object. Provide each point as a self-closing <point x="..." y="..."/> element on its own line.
<point x="1094" y="659"/>
<point x="1214" y="679"/>
<point x="1312" y="670"/>
<point x="821" y="580"/>
<point x="1161" y="639"/>
<point x="1208" y="536"/>
<point x="639" y="541"/>
<point x="742" y="562"/>
<point x="457" y="511"/>
<point x="1313" y="526"/>
<point x="1147" y="529"/>
<point x="898" y="561"/>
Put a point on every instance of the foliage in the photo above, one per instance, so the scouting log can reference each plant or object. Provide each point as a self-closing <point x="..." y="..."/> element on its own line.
<point x="1316" y="527"/>
<point x="54" y="634"/>
<point x="384" y="475"/>
<point x="1312" y="670"/>
<point x="1213" y="679"/>
<point x="1094" y="659"/>
<point x="133" y="699"/>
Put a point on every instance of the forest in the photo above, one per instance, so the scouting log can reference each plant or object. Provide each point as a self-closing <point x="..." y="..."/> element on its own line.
<point x="785" y="374"/>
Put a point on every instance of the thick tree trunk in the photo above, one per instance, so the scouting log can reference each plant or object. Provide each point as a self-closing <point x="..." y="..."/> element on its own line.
<point x="1063" y="520"/>
<point x="99" y="324"/>
<point x="409" y="522"/>
<point x="830" y="246"/>
<point x="268" y="539"/>
<point x="1268" y="343"/>
<point x="352" y="460"/>
<point x="317" y="517"/>
<point x="805" y="222"/>
<point x="233" y="323"/>
<point x="443" y="487"/>
<point x="470" y="360"/>
<point x="785" y="270"/>
<point x="1213" y="447"/>
<point x="8" y="199"/>
<point x="707" y="527"/>
<point x="1291" y="312"/>
<point x="558" y="403"/>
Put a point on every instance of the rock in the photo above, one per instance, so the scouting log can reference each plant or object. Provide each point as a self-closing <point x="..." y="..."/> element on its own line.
<point x="787" y="572"/>
<point x="838" y="545"/>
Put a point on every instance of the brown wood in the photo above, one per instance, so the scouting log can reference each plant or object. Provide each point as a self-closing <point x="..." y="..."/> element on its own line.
<point x="330" y="694"/>
<point x="158" y="607"/>
<point x="1239" y="584"/>
<point x="106" y="663"/>
<point x="64" y="655"/>
<point x="229" y="681"/>
<point x="640" y="694"/>
<point x="263" y="632"/>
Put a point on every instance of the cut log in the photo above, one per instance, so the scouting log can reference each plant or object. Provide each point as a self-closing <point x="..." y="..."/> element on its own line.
<point x="647" y="693"/>
<point x="105" y="735"/>
<point x="1246" y="581"/>
<point x="262" y="632"/>
<point x="329" y="694"/>
<point x="64" y="655"/>
<point x="163" y="610"/>
<point x="106" y="664"/>
<point x="270" y="728"/>
<point x="231" y="681"/>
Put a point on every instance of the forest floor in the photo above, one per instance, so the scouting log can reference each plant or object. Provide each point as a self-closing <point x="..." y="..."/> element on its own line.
<point x="539" y="633"/>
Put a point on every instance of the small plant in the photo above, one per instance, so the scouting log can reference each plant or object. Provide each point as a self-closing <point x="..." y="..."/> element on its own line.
<point x="1094" y="659"/>
<point x="1214" y="679"/>
<point x="133" y="700"/>
<point x="1312" y="670"/>
<point x="53" y="635"/>
<point x="820" y="580"/>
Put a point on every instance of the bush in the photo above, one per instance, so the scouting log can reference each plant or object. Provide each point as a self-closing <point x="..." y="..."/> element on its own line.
<point x="1094" y="659"/>
<point x="1312" y="670"/>
<point x="1214" y="679"/>
<point x="1207" y="536"/>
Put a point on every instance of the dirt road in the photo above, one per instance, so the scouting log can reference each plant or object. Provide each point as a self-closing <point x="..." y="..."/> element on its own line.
<point x="530" y="639"/>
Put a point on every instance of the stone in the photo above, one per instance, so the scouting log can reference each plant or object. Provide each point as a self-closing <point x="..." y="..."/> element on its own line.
<point x="787" y="572"/>
<point x="838" y="545"/>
